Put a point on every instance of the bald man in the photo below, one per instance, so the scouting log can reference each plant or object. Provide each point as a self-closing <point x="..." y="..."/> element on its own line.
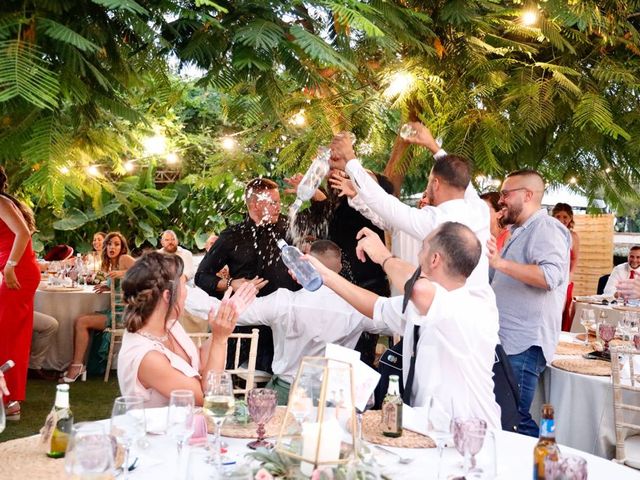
<point x="529" y="277"/>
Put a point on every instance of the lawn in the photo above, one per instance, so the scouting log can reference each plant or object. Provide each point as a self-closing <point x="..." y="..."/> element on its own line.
<point x="90" y="400"/>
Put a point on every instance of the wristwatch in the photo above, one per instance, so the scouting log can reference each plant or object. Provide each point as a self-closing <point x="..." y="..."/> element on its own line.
<point x="11" y="263"/>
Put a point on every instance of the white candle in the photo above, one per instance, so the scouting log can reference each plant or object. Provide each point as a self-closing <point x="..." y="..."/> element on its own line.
<point x="329" y="443"/>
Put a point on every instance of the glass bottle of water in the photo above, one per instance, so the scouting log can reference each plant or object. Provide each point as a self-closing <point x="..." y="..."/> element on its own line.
<point x="312" y="178"/>
<point x="305" y="272"/>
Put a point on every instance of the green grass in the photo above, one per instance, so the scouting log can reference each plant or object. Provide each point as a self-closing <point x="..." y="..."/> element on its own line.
<point x="90" y="400"/>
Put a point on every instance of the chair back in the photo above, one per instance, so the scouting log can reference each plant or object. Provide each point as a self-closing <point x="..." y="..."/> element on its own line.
<point x="602" y="282"/>
<point x="116" y="326"/>
<point x="248" y="372"/>
<point x="626" y="397"/>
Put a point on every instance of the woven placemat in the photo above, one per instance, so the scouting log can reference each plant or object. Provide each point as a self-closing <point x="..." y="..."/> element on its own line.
<point x="24" y="458"/>
<point x="584" y="366"/>
<point x="51" y="288"/>
<point x="372" y="432"/>
<point x="581" y="336"/>
<point x="618" y="342"/>
<point x="567" y="348"/>
<point x="237" y="430"/>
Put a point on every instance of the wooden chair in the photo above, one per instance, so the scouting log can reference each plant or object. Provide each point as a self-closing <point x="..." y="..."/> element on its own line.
<point x="115" y="328"/>
<point x="626" y="414"/>
<point x="246" y="372"/>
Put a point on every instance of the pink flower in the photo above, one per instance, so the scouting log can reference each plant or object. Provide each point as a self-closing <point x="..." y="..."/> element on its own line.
<point x="262" y="474"/>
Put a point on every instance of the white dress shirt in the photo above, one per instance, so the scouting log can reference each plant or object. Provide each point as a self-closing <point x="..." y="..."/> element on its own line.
<point x="455" y="353"/>
<point x="187" y="258"/>
<point x="303" y="322"/>
<point x="619" y="272"/>
<point x="471" y="211"/>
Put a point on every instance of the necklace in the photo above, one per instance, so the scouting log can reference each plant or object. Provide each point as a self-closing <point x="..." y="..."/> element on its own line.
<point x="161" y="339"/>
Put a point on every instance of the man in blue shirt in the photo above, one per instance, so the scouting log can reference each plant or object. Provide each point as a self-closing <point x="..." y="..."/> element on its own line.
<point x="529" y="278"/>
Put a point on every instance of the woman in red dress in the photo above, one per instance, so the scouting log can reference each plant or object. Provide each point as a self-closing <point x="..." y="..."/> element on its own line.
<point x="564" y="214"/>
<point x="21" y="276"/>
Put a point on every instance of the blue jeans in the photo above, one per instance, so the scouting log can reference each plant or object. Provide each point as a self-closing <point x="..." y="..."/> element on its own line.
<point x="527" y="367"/>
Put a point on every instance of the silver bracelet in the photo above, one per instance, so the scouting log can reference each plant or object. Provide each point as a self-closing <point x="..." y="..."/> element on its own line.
<point x="11" y="263"/>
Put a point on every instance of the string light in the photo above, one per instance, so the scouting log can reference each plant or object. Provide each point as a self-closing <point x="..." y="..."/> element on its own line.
<point x="607" y="170"/>
<point x="64" y="170"/>
<point x="298" y="119"/>
<point x="573" y="180"/>
<point x="529" y="17"/>
<point x="155" y="145"/>
<point x="399" y="83"/>
<point x="93" y="171"/>
<point x="228" y="143"/>
<point x="129" y="166"/>
<point x="172" y="158"/>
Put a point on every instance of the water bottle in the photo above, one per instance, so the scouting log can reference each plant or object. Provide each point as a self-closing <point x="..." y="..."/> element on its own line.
<point x="304" y="271"/>
<point x="312" y="179"/>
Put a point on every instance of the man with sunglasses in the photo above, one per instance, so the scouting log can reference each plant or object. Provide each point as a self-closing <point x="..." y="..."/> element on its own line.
<point x="449" y="196"/>
<point x="529" y="277"/>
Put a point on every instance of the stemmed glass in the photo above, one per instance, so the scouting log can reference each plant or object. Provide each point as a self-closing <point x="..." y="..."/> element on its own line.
<point x="607" y="332"/>
<point x="89" y="451"/>
<point x="587" y="319"/>
<point x="262" y="405"/>
<point x="218" y="404"/>
<point x="180" y="416"/>
<point x="636" y="343"/>
<point x="436" y="431"/>
<point x="3" y="420"/>
<point x="127" y="424"/>
<point x="624" y="325"/>
<point x="359" y="413"/>
<point x="468" y="437"/>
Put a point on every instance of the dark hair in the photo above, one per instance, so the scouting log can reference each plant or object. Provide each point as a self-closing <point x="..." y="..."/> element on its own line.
<point x="525" y="172"/>
<point x="322" y="247"/>
<point x="493" y="198"/>
<point x="26" y="212"/>
<point x="258" y="185"/>
<point x="635" y="247"/>
<point x="459" y="247"/>
<point x="143" y="284"/>
<point x="124" y="249"/>
<point x="453" y="170"/>
<point x="566" y="208"/>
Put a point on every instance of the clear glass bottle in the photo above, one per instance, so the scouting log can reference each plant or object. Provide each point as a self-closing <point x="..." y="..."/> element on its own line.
<point x="312" y="178"/>
<point x="305" y="272"/>
<point x="59" y="423"/>
<point x="546" y="448"/>
<point x="392" y="409"/>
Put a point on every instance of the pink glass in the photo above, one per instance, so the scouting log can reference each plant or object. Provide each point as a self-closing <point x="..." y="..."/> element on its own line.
<point x="573" y="467"/>
<point x="607" y="332"/>
<point x="636" y="341"/>
<point x="468" y="438"/>
<point x="262" y="405"/>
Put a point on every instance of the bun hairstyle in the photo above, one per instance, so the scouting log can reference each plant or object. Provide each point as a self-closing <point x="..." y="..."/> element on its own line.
<point x="144" y="283"/>
<point x="26" y="212"/>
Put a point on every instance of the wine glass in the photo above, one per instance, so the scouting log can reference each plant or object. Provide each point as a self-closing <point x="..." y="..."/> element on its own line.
<point x="89" y="452"/>
<point x="475" y="431"/>
<point x="439" y="434"/>
<point x="218" y="404"/>
<point x="3" y="419"/>
<point x="587" y="319"/>
<point x="573" y="467"/>
<point x="623" y="325"/>
<point x="636" y="343"/>
<point x="262" y="405"/>
<point x="127" y="424"/>
<point x="180" y="416"/>
<point x="359" y="413"/>
<point x="607" y="332"/>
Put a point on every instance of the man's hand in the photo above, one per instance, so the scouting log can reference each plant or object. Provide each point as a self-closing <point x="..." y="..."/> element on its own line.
<point x="493" y="253"/>
<point x="369" y="242"/>
<point x="223" y="321"/>
<point x="340" y="182"/>
<point x="341" y="151"/>
<point x="244" y="296"/>
<point x="422" y="137"/>
<point x="628" y="289"/>
<point x="258" y="282"/>
<point x="294" y="180"/>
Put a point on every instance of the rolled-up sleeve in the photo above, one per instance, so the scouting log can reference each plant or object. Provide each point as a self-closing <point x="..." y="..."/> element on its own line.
<point x="549" y="249"/>
<point x="388" y="317"/>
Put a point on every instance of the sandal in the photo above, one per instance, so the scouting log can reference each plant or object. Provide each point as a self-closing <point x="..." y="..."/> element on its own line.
<point x="82" y="374"/>
<point x="12" y="411"/>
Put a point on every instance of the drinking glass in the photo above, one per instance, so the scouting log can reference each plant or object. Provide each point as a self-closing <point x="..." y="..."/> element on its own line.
<point x="623" y="325"/>
<point x="475" y="431"/>
<point x="180" y="416"/>
<point x="218" y="404"/>
<point x="127" y="424"/>
<point x="587" y="319"/>
<point x="607" y="332"/>
<point x="359" y="413"/>
<point x="439" y="433"/>
<point x="636" y="343"/>
<point x="407" y="131"/>
<point x="3" y="420"/>
<point x="573" y="467"/>
<point x="90" y="451"/>
<point x="262" y="405"/>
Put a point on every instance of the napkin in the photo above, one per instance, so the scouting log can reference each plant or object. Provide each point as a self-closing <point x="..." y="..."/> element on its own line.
<point x="199" y="436"/>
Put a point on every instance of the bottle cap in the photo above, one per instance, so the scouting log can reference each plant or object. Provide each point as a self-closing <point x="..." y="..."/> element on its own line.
<point x="394" y="378"/>
<point x="282" y="244"/>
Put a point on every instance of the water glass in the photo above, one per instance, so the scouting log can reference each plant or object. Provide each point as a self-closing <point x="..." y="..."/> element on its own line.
<point x="218" y="404"/>
<point x="262" y="405"/>
<point x="607" y="333"/>
<point x="128" y="424"/>
<point x="407" y="131"/>
<point x="90" y="451"/>
<point x="180" y="416"/>
<point x="587" y="319"/>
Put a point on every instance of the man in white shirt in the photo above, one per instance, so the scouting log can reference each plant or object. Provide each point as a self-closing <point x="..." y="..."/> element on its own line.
<point x="449" y="194"/>
<point x="169" y="242"/>
<point x="302" y="322"/>
<point x="628" y="270"/>
<point x="457" y="331"/>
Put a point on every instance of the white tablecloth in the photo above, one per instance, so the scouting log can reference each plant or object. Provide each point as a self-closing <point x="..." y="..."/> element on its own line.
<point x="613" y="315"/>
<point x="66" y="307"/>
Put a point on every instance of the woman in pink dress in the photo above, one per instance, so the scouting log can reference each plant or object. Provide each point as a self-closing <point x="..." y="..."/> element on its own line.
<point x="21" y="276"/>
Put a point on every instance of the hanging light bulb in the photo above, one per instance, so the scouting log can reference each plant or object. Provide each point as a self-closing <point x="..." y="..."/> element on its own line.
<point x="228" y="143"/>
<point x="573" y="180"/>
<point x="129" y="166"/>
<point x="172" y="158"/>
<point x="93" y="171"/>
<point x="529" y="18"/>
<point x="298" y="119"/>
<point x="64" y="170"/>
<point x="155" y="145"/>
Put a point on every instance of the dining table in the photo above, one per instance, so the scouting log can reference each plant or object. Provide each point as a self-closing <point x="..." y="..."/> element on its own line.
<point x="157" y="458"/>
<point x="65" y="304"/>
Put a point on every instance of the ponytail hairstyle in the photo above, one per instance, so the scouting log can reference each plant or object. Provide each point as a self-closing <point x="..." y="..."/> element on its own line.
<point x="144" y="284"/>
<point x="107" y="265"/>
<point x="26" y="212"/>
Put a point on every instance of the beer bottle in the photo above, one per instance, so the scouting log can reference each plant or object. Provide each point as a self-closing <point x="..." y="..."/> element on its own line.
<point x="392" y="409"/>
<point x="546" y="446"/>
<point x="58" y="424"/>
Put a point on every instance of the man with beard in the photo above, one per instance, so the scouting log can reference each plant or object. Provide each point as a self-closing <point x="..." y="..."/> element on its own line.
<point x="450" y="198"/>
<point x="629" y="269"/>
<point x="251" y="252"/>
<point x="529" y="278"/>
<point x="169" y="242"/>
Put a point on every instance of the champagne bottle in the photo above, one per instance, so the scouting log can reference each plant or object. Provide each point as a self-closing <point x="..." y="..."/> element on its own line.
<point x="58" y="424"/>
<point x="392" y="409"/>
<point x="546" y="446"/>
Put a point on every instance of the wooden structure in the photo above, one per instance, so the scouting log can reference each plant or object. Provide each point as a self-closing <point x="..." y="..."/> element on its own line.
<point x="596" y="251"/>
